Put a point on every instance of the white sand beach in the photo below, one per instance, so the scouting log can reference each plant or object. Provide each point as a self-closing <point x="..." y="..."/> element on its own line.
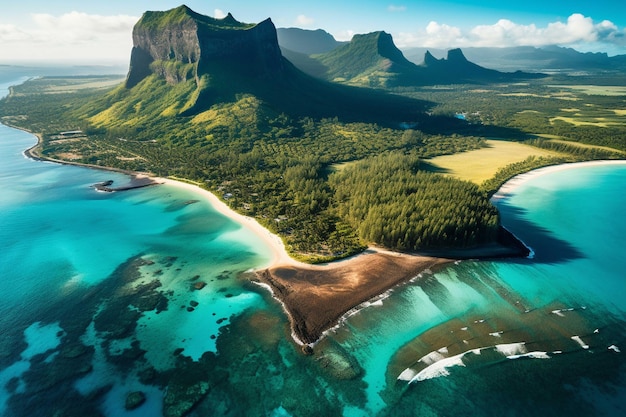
<point x="520" y="179"/>
<point x="275" y="243"/>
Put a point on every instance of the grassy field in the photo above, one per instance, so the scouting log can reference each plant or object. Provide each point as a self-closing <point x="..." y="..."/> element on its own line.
<point x="598" y="90"/>
<point x="482" y="164"/>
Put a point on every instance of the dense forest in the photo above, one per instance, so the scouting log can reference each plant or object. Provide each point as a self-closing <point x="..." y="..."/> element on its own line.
<point x="394" y="204"/>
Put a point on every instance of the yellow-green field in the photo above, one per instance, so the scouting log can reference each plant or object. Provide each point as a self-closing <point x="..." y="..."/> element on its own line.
<point x="482" y="164"/>
<point x="580" y="121"/>
<point x="597" y="90"/>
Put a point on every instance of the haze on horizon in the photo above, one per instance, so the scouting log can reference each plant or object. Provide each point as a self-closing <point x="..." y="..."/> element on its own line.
<point x="90" y="32"/>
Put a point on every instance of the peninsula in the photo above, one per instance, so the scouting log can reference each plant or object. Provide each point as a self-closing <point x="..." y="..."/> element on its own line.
<point x="324" y="170"/>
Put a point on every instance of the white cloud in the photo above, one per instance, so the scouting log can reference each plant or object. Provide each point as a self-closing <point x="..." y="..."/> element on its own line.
<point x="219" y="14"/>
<point x="11" y="33"/>
<point x="344" y="35"/>
<point x="394" y="8"/>
<point x="303" y="20"/>
<point x="577" y="30"/>
<point x="71" y="36"/>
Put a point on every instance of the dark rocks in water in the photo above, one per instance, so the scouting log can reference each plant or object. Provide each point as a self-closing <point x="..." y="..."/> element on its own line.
<point x="134" y="400"/>
<point x="73" y="351"/>
<point x="224" y="275"/>
<point x="199" y="285"/>
<point x="147" y="376"/>
<point x="195" y="277"/>
<point x="190" y="309"/>
<point x="307" y="350"/>
<point x="178" y="351"/>
<point x="194" y="303"/>
<point x="12" y="385"/>
<point x="336" y="361"/>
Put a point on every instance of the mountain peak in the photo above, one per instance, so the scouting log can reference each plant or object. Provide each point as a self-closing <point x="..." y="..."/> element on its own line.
<point x="456" y="55"/>
<point x="180" y="44"/>
<point x="429" y="59"/>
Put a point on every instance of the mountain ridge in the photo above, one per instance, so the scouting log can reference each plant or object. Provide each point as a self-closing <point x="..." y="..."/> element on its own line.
<point x="373" y="60"/>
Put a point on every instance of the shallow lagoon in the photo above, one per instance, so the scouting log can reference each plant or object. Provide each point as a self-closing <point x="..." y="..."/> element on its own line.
<point x="97" y="293"/>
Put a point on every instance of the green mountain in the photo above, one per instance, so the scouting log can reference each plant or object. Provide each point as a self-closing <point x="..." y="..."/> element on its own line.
<point x="183" y="63"/>
<point x="371" y="59"/>
<point x="374" y="60"/>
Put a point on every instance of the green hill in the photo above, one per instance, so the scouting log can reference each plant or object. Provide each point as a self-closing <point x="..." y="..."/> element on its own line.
<point x="371" y="59"/>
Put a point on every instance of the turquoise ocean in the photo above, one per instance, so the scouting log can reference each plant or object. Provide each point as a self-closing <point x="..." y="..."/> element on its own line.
<point x="148" y="290"/>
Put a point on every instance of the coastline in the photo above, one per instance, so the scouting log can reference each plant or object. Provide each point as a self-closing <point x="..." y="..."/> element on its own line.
<point x="509" y="186"/>
<point x="315" y="298"/>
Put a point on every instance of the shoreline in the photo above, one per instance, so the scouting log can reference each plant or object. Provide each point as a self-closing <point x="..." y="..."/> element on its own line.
<point x="510" y="185"/>
<point x="316" y="298"/>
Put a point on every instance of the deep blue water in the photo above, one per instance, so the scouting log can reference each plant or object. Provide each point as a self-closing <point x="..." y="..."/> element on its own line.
<point x="97" y="300"/>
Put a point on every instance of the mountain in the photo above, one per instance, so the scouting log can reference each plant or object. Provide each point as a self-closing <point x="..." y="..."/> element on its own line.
<point x="456" y="68"/>
<point x="529" y="58"/>
<point x="183" y="63"/>
<point x="374" y="60"/>
<point x="305" y="41"/>
<point x="370" y="59"/>
<point x="181" y="44"/>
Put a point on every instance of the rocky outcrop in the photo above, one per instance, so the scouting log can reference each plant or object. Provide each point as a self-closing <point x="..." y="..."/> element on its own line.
<point x="180" y="44"/>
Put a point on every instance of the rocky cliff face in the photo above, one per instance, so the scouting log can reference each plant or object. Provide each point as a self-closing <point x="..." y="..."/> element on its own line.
<point x="180" y="44"/>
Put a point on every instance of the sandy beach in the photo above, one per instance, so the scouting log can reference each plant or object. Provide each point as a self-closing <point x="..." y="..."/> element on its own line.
<point x="275" y="243"/>
<point x="509" y="186"/>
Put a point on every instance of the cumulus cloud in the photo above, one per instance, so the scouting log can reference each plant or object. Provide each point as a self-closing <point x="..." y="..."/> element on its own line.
<point x="578" y="29"/>
<point x="72" y="35"/>
<point x="219" y="14"/>
<point x="394" y="8"/>
<point x="344" y="35"/>
<point x="10" y="33"/>
<point x="303" y="20"/>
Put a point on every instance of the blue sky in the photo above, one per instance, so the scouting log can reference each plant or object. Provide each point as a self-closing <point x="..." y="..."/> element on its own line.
<point x="88" y="31"/>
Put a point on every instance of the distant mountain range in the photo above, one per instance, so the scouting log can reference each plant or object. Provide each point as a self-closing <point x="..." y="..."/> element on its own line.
<point x="373" y="60"/>
<point x="548" y="59"/>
